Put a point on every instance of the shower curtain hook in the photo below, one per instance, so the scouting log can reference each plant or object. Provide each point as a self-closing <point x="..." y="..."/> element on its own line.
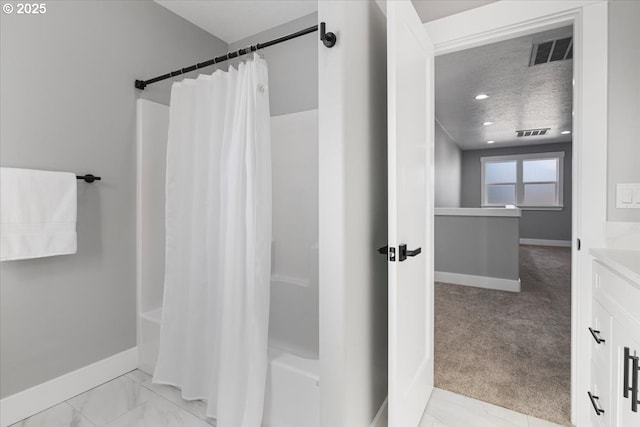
<point x="174" y="77"/>
<point x="235" y="60"/>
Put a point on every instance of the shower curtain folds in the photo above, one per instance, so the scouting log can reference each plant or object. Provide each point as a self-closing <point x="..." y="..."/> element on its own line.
<point x="213" y="341"/>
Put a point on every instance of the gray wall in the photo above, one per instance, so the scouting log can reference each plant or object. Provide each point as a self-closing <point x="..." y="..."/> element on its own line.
<point x="68" y="103"/>
<point x="477" y="245"/>
<point x="293" y="66"/>
<point x="548" y="225"/>
<point x="447" y="170"/>
<point x="353" y="214"/>
<point x="623" y="103"/>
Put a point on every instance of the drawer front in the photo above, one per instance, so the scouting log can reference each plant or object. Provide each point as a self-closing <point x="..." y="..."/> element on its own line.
<point x="601" y="396"/>
<point x="608" y="286"/>
<point x="600" y="335"/>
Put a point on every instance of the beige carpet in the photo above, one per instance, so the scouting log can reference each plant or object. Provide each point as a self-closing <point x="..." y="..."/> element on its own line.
<point x="510" y="349"/>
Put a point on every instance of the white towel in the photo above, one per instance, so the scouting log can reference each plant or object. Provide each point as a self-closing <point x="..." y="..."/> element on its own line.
<point x="37" y="213"/>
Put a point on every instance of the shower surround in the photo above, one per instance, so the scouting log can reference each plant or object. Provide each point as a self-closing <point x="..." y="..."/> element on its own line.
<point x="292" y="392"/>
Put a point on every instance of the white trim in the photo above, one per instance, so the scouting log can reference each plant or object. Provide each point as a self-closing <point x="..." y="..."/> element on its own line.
<point x="478" y="281"/>
<point x="545" y="242"/>
<point x="589" y="209"/>
<point x="382" y="417"/>
<point x="541" y="208"/>
<point x="499" y="21"/>
<point x="505" y="20"/>
<point x="43" y="396"/>
<point x="537" y="156"/>
<point x="139" y="135"/>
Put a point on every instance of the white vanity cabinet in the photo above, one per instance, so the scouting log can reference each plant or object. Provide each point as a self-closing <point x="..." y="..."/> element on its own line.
<point x="615" y="335"/>
<point x="623" y="413"/>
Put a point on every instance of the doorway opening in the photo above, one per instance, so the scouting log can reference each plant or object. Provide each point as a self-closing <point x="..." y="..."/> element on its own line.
<point x="503" y="223"/>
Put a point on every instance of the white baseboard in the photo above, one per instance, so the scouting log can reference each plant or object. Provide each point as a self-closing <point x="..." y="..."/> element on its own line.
<point x="545" y="242"/>
<point x="381" y="418"/>
<point x="478" y="281"/>
<point x="43" y="396"/>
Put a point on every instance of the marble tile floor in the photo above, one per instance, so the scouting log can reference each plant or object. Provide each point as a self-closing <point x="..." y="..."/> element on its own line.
<point x="127" y="401"/>
<point x="133" y="401"/>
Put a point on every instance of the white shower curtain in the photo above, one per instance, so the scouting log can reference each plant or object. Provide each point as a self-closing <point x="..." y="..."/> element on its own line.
<point x="213" y="341"/>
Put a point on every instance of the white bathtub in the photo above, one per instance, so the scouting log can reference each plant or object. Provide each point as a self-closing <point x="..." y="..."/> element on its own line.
<point x="293" y="382"/>
<point x="292" y="396"/>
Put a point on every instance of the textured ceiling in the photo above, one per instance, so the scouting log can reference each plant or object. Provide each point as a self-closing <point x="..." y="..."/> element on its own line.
<point x="520" y="97"/>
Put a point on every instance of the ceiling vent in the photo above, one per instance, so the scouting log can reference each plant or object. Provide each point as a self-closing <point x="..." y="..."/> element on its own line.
<point x="550" y="51"/>
<point x="532" y="132"/>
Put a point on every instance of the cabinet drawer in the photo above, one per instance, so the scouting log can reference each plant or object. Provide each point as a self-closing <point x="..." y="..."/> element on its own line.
<point x="600" y="336"/>
<point x="609" y="287"/>
<point x="601" y="391"/>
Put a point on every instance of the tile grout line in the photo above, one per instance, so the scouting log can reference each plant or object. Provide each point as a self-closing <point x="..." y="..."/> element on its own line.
<point x="80" y="413"/>
<point x="127" y="413"/>
<point x="110" y="421"/>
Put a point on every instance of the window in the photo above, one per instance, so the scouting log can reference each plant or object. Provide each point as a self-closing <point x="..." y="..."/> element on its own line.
<point x="531" y="181"/>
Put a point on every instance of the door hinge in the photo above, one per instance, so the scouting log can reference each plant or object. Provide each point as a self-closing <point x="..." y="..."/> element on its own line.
<point x="578" y="244"/>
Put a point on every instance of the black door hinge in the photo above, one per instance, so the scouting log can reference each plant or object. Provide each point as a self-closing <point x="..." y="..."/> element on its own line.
<point x="578" y="244"/>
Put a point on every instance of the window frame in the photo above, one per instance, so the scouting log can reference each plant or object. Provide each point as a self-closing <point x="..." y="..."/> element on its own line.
<point x="520" y="184"/>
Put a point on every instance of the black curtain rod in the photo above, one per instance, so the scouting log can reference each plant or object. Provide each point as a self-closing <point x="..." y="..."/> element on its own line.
<point x="329" y="39"/>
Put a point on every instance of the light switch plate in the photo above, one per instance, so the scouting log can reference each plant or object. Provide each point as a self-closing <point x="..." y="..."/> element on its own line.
<point x="628" y="196"/>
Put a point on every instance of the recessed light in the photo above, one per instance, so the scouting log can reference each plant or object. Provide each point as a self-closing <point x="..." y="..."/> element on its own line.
<point x="565" y="132"/>
<point x="490" y="142"/>
<point x="487" y="123"/>
<point x="482" y="96"/>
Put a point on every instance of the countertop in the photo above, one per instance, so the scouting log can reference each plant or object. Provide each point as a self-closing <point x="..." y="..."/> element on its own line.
<point x="625" y="262"/>
<point x="512" y="212"/>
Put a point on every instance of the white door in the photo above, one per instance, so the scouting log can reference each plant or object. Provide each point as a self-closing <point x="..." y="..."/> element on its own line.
<point x="410" y="174"/>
